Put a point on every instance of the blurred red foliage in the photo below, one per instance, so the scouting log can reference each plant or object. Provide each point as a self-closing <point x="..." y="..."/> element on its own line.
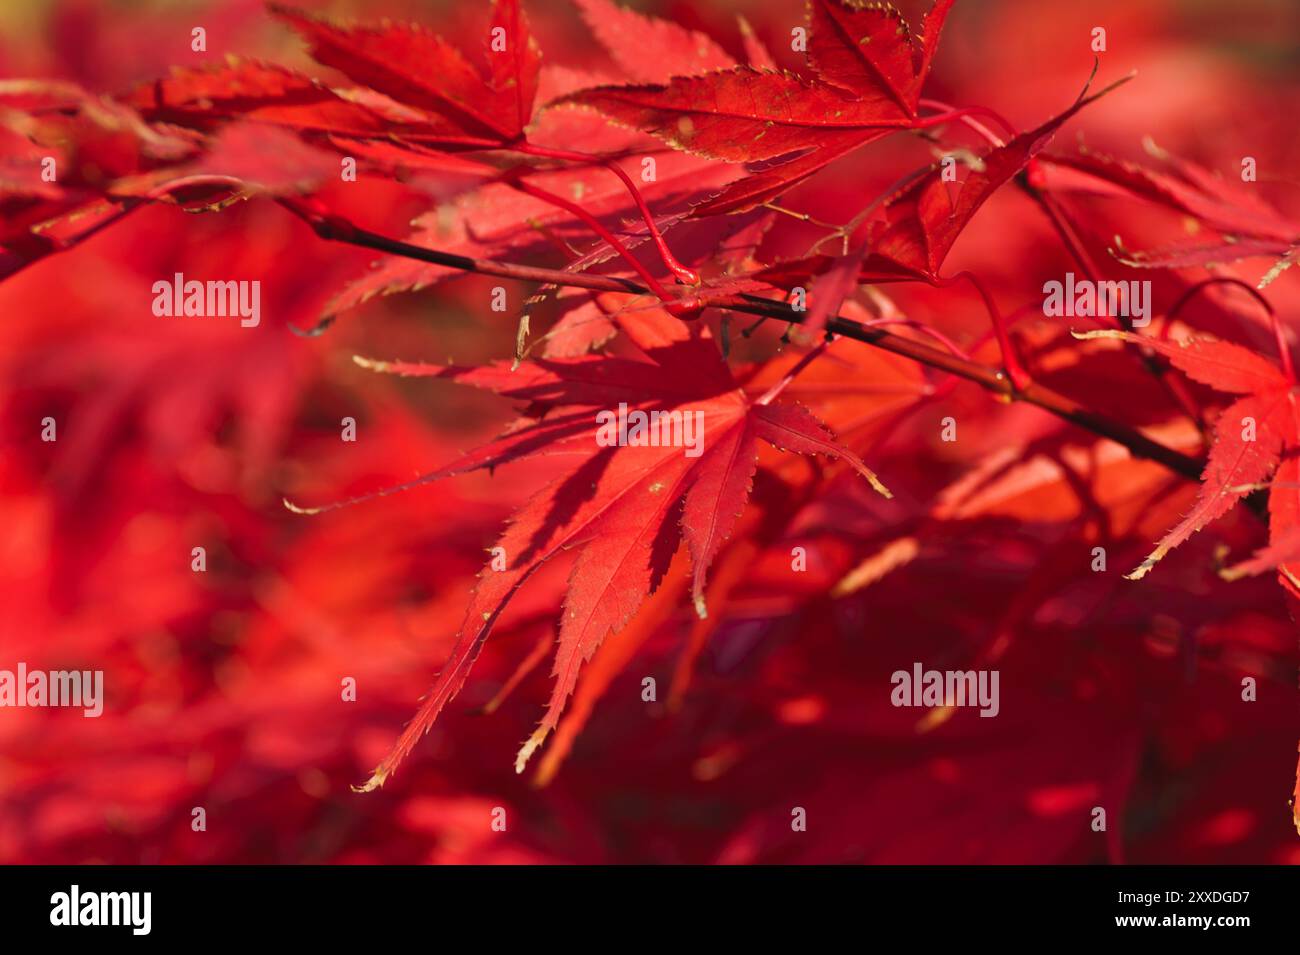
<point x="223" y="688"/>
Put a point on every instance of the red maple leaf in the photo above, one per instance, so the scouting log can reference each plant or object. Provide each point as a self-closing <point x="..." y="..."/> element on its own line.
<point x="622" y="506"/>
<point x="648" y="49"/>
<point x="477" y="139"/>
<point x="915" y="226"/>
<point x="1251" y="436"/>
<point x="1246" y="224"/>
<point x="868" y="77"/>
<point x="267" y="93"/>
<point x="478" y="105"/>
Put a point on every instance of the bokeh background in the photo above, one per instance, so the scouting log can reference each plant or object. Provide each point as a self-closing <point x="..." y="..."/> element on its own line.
<point x="223" y="688"/>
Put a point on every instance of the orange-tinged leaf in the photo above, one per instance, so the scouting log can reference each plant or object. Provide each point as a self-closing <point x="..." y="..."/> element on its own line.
<point x="792" y="427"/>
<point x="1295" y="796"/>
<point x="1221" y="365"/>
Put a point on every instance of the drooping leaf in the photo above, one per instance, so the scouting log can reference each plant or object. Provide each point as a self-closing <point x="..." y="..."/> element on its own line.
<point x="915" y="227"/>
<point x="920" y="226"/>
<point x="619" y="505"/>
<point x="1236" y="465"/>
<point x="1250" y="435"/>
<point x="1248" y="226"/>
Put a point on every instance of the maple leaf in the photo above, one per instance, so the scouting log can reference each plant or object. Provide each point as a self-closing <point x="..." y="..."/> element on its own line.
<point x="919" y="224"/>
<point x="916" y="225"/>
<point x="497" y="221"/>
<point x="21" y="165"/>
<point x="1250" y="436"/>
<point x="648" y="49"/>
<point x="44" y="230"/>
<point x="1248" y="226"/>
<point x="265" y="161"/>
<point x="743" y="114"/>
<point x="98" y="138"/>
<point x="623" y="508"/>
<point x="584" y="326"/>
<point x="266" y="93"/>
<point x="482" y="107"/>
<point x="867" y="48"/>
<point x="91" y="140"/>
<point x="869" y="74"/>
<point x="1029" y="499"/>
<point x="1285" y="550"/>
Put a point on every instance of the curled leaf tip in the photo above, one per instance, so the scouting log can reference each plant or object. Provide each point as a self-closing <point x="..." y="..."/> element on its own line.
<point x="526" y="751"/>
<point x="873" y="479"/>
<point x="1142" y="569"/>
<point x="1103" y="333"/>
<point x="876" y="483"/>
<point x="316" y="330"/>
<point x="376" y="781"/>
<point x="289" y="505"/>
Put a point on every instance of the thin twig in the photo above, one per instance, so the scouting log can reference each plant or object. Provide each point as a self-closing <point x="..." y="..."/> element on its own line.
<point x="334" y="228"/>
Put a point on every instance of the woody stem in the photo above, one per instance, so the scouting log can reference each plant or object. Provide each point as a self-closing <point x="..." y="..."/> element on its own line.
<point x="1069" y="236"/>
<point x="337" y="229"/>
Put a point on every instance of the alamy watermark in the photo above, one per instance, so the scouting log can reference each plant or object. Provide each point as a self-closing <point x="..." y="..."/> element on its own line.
<point x="74" y="907"/>
<point x="71" y="688"/>
<point x="211" y="299"/>
<point x="651" y="429"/>
<point x="1085" y="298"/>
<point x="929" y="688"/>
